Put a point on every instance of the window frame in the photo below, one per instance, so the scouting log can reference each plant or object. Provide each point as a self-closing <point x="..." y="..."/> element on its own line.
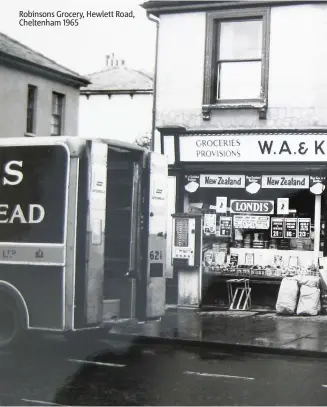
<point x="210" y="61"/>
<point x="31" y="111"/>
<point x="60" y="116"/>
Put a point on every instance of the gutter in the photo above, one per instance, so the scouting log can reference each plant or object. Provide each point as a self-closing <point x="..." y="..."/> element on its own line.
<point x="154" y="105"/>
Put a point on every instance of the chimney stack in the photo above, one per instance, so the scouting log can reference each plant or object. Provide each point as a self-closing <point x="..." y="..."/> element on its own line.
<point x="112" y="62"/>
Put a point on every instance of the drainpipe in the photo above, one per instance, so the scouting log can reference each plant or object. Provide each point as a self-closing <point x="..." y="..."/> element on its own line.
<point x="154" y="105"/>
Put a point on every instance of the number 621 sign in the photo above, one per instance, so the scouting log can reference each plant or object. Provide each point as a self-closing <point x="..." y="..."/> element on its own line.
<point x="156" y="255"/>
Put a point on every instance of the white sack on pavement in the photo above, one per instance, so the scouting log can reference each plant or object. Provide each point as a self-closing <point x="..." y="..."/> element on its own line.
<point x="309" y="301"/>
<point x="287" y="296"/>
<point x="309" y="281"/>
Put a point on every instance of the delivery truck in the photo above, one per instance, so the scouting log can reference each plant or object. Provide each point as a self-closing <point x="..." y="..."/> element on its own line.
<point x="82" y="234"/>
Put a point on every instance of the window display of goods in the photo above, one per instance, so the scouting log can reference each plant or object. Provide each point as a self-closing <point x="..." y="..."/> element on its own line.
<point x="257" y="270"/>
<point x="273" y="244"/>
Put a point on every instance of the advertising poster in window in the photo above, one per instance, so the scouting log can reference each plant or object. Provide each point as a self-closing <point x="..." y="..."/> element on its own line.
<point x="221" y="204"/>
<point x="304" y="227"/>
<point x="225" y="226"/>
<point x="210" y="220"/>
<point x="283" y="206"/>
<point x="290" y="228"/>
<point x="317" y="184"/>
<point x="253" y="183"/>
<point x="251" y="222"/>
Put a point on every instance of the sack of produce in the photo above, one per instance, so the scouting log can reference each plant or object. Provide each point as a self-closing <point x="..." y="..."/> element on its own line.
<point x="309" y="301"/>
<point x="309" y="281"/>
<point x="287" y="296"/>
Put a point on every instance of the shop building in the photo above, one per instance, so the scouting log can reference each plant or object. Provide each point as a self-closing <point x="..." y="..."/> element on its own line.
<point x="241" y="112"/>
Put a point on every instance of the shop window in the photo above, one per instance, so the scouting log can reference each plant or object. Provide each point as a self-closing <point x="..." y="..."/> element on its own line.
<point x="236" y="66"/>
<point x="262" y="226"/>
<point x="57" y="114"/>
<point x="31" y="109"/>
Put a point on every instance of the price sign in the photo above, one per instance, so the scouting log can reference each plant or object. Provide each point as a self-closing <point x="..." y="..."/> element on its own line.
<point x="234" y="259"/>
<point x="277" y="228"/>
<point x="225" y="226"/>
<point x="290" y="228"/>
<point x="304" y="227"/>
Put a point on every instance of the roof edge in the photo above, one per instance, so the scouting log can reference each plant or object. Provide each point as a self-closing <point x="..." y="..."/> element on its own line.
<point x="89" y="92"/>
<point x="35" y="68"/>
<point x="164" y="7"/>
<point x="139" y="70"/>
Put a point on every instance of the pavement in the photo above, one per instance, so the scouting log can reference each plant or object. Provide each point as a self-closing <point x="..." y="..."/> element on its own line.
<point x="253" y="331"/>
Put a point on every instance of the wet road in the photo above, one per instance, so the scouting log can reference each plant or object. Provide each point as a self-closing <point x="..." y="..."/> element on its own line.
<point x="109" y="373"/>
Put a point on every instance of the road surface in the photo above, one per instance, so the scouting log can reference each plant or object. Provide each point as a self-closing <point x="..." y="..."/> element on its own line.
<point x="89" y="372"/>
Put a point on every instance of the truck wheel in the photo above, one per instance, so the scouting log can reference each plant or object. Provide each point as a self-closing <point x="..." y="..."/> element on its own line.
<point x="10" y="322"/>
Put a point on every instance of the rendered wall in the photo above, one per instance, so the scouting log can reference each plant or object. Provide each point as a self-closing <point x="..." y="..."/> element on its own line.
<point x="14" y="85"/>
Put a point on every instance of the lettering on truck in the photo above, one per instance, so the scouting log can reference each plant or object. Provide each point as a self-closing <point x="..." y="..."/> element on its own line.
<point x="34" y="213"/>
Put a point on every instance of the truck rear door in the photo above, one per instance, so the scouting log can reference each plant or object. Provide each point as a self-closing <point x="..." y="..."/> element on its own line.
<point x="156" y="236"/>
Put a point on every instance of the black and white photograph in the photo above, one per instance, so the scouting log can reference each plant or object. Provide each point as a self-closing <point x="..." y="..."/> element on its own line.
<point x="163" y="171"/>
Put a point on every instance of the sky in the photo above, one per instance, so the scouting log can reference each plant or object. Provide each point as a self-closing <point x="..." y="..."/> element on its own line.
<point x="83" y="48"/>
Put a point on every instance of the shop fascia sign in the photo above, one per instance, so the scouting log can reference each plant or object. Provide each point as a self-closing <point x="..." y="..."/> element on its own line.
<point x="253" y="148"/>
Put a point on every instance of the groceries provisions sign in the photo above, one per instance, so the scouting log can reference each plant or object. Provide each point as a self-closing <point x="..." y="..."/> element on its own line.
<point x="222" y="181"/>
<point x="248" y="206"/>
<point x="253" y="148"/>
<point x="33" y="193"/>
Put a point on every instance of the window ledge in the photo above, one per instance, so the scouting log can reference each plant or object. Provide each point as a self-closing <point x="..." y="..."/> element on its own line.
<point x="261" y="107"/>
<point x="29" y="135"/>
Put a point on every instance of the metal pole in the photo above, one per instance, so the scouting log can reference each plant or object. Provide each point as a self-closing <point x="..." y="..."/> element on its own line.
<point x="317" y="228"/>
<point x="154" y="104"/>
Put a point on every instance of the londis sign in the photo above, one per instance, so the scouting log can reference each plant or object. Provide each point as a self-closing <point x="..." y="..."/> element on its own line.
<point x="33" y="188"/>
<point x="253" y="148"/>
<point x="249" y="206"/>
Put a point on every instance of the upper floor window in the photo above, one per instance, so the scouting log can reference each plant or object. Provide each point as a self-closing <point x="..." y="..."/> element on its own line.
<point x="31" y="109"/>
<point x="57" y="114"/>
<point x="236" y="66"/>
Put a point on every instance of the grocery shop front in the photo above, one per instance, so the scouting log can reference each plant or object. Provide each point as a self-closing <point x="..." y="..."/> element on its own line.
<point x="262" y="202"/>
